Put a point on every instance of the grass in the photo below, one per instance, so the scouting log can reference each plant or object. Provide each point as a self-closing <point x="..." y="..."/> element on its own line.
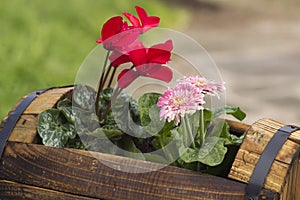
<point x="43" y="43"/>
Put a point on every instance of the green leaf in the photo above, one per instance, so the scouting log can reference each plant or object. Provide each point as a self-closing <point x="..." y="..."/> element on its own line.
<point x="230" y="110"/>
<point x="221" y="129"/>
<point x="124" y="115"/>
<point x="75" y="143"/>
<point x="65" y="106"/>
<point x="84" y="96"/>
<point x="145" y="103"/>
<point x="211" y="153"/>
<point x="54" y="129"/>
<point x="107" y="131"/>
<point x="129" y="149"/>
<point x="155" y="158"/>
<point x="102" y="145"/>
<point x="155" y="124"/>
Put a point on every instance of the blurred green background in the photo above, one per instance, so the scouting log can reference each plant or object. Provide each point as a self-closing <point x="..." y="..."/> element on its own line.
<point x="43" y="43"/>
<point x="255" y="45"/>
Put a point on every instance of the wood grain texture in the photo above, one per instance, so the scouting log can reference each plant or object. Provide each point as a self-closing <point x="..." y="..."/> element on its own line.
<point x="282" y="173"/>
<point x="237" y="128"/>
<point x="77" y="172"/>
<point x="13" y="190"/>
<point x="25" y="129"/>
<point x="291" y="187"/>
<point x="47" y="100"/>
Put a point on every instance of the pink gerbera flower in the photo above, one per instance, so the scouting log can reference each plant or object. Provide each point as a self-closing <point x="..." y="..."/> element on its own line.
<point x="178" y="101"/>
<point x="207" y="86"/>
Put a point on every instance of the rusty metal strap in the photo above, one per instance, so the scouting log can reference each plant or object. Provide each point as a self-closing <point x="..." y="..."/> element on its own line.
<point x="265" y="161"/>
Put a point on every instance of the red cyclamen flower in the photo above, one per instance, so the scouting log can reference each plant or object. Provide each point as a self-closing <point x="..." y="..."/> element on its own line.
<point x="148" y="62"/>
<point x="121" y="55"/>
<point x="116" y="33"/>
<point x="144" y="21"/>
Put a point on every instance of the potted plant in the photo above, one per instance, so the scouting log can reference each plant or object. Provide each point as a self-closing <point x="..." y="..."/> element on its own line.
<point x="119" y="139"/>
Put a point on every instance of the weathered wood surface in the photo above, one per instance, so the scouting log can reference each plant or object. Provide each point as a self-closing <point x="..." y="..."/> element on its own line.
<point x="237" y="128"/>
<point x="25" y="129"/>
<point x="79" y="173"/>
<point x="13" y="190"/>
<point x="283" y="172"/>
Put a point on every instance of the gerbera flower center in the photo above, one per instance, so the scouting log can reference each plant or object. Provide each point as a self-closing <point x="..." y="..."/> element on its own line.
<point x="200" y="82"/>
<point x="177" y="101"/>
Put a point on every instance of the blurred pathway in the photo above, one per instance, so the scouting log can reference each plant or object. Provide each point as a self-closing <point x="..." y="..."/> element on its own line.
<point x="257" y="51"/>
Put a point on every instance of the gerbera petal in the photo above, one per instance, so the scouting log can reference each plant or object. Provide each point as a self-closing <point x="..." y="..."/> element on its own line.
<point x="178" y="101"/>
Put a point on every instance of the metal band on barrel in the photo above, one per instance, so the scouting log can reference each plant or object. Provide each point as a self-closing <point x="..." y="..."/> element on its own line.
<point x="265" y="161"/>
<point x="14" y="117"/>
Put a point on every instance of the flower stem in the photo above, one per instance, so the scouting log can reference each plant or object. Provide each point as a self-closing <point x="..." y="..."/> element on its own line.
<point x="168" y="154"/>
<point x="113" y="98"/>
<point x="111" y="77"/>
<point x="201" y="121"/>
<point x="106" y="75"/>
<point x="101" y="83"/>
<point x="189" y="132"/>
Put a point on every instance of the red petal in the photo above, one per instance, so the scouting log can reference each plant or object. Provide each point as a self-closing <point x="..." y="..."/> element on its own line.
<point x="99" y="40"/>
<point x="126" y="77"/>
<point x="124" y="38"/>
<point x="163" y="73"/>
<point x="147" y="22"/>
<point x="167" y="46"/>
<point x="160" y="53"/>
<point x="141" y="13"/>
<point x="133" y="19"/>
<point x="117" y="58"/>
<point x="112" y="27"/>
<point x="138" y="56"/>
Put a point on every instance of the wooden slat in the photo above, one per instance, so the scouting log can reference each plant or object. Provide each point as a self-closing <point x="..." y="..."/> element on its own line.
<point x="290" y="189"/>
<point x="298" y="180"/>
<point x="237" y="128"/>
<point x="47" y="100"/>
<point x="13" y="190"/>
<point x="273" y="126"/>
<point x="25" y="129"/>
<point x="252" y="147"/>
<point x="243" y="167"/>
<point x="77" y="172"/>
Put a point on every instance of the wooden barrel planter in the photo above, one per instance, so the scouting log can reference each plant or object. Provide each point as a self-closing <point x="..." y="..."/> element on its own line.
<point x="29" y="170"/>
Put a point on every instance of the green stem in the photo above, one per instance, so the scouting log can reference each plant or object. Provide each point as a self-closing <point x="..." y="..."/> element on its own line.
<point x="100" y="84"/>
<point x="189" y="132"/>
<point x="202" y="132"/>
<point x="167" y="153"/>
